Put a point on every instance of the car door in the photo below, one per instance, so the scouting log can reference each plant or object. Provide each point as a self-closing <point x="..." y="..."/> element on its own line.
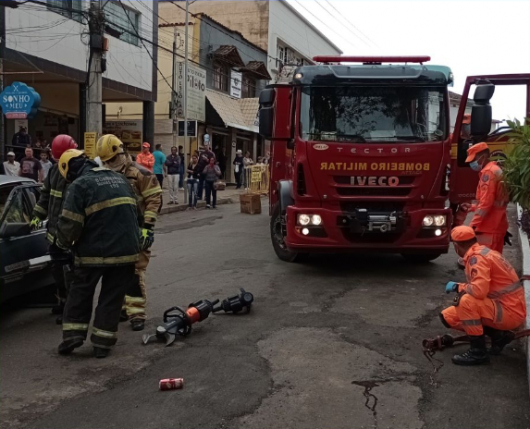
<point x="18" y="243"/>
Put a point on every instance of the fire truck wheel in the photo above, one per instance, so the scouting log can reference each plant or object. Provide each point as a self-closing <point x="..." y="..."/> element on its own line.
<point x="420" y="258"/>
<point x="278" y="242"/>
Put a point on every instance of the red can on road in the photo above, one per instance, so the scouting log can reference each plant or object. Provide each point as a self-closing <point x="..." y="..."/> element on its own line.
<point x="171" y="383"/>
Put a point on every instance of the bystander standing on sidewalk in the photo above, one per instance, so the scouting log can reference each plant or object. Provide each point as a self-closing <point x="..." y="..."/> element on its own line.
<point x="173" y="174"/>
<point x="158" y="168"/>
<point x="248" y="162"/>
<point x="204" y="160"/>
<point x="11" y="167"/>
<point x="30" y="166"/>
<point x="182" y="168"/>
<point x="45" y="162"/>
<point x="212" y="173"/>
<point x="238" y="169"/>
<point x="146" y="158"/>
<point x="192" y="182"/>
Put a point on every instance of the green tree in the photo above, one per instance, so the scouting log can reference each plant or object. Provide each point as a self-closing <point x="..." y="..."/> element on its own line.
<point x="517" y="169"/>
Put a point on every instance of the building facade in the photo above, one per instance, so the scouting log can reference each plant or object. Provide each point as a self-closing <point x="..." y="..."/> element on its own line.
<point x="46" y="46"/>
<point x="274" y="26"/>
<point x="226" y="73"/>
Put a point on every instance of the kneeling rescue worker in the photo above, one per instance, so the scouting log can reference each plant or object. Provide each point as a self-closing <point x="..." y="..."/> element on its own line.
<point x="492" y="301"/>
<point x="490" y="221"/>
<point x="99" y="222"/>
<point x="49" y="206"/>
<point x="110" y="150"/>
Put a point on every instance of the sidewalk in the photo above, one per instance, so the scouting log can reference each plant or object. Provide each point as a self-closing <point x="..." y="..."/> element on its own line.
<point x="525" y="248"/>
<point x="228" y="196"/>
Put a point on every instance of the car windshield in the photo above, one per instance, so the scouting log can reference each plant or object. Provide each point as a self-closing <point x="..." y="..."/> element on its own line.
<point x="379" y="114"/>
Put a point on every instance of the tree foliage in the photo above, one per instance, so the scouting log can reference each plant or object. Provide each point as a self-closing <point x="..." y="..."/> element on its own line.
<point x="517" y="164"/>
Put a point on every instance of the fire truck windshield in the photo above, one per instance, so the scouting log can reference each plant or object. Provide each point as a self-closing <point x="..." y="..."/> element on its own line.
<point x="378" y="114"/>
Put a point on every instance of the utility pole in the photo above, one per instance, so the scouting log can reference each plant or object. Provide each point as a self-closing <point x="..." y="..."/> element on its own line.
<point x="186" y="145"/>
<point x="96" y="25"/>
<point x="173" y="87"/>
<point x="2" y="42"/>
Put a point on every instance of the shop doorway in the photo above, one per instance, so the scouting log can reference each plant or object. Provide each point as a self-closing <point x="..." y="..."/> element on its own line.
<point x="220" y="146"/>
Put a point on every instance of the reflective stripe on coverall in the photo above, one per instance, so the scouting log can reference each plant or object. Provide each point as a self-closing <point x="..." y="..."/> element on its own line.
<point x="494" y="295"/>
<point x="490" y="221"/>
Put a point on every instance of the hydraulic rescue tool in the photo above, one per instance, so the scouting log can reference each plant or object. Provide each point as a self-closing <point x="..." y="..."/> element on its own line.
<point x="178" y="322"/>
<point x="236" y="303"/>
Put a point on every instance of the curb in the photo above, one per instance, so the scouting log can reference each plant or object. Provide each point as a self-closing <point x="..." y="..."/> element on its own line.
<point x="525" y="249"/>
<point x="200" y="204"/>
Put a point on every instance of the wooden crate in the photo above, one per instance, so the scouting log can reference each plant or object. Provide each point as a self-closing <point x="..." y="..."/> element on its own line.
<point x="250" y="203"/>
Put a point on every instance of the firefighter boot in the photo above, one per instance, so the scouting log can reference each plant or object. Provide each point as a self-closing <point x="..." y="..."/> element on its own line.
<point x="100" y="352"/>
<point x="68" y="346"/>
<point x="477" y="353"/>
<point x="499" y="339"/>
<point x="137" y="324"/>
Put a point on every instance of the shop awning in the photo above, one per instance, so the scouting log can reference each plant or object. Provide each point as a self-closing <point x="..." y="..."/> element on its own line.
<point x="235" y="113"/>
<point x="229" y="54"/>
<point x="258" y="69"/>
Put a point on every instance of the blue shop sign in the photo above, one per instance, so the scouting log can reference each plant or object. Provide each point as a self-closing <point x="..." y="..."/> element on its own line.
<point x="19" y="101"/>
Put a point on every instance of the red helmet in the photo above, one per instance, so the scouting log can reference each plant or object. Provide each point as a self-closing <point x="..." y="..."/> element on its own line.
<point x="61" y="144"/>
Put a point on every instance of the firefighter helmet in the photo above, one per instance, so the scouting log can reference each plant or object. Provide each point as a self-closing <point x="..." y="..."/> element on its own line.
<point x="108" y="147"/>
<point x="62" y="143"/>
<point x="66" y="157"/>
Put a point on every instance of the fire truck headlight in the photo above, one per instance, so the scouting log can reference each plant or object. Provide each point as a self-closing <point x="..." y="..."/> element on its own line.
<point x="305" y="231"/>
<point x="304" y="219"/>
<point x="316" y="220"/>
<point x="428" y="221"/>
<point x="438" y="232"/>
<point x="439" y="220"/>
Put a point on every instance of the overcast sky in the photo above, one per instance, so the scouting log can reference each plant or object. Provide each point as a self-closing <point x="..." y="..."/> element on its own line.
<point x="472" y="37"/>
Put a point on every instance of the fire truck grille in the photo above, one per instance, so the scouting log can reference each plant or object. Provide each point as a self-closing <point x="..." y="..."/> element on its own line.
<point x="374" y="192"/>
<point x="374" y="206"/>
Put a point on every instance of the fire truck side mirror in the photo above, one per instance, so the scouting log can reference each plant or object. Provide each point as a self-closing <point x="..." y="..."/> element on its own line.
<point x="266" y="113"/>
<point x="481" y="113"/>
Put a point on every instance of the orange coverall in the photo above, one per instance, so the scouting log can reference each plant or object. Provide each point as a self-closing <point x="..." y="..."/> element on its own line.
<point x="146" y="160"/>
<point x="490" y="221"/>
<point x="494" y="295"/>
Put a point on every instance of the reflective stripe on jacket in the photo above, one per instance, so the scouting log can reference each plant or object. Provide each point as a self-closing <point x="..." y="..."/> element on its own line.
<point x="51" y="200"/>
<point x="147" y="189"/>
<point x="490" y="275"/>
<point x="99" y="219"/>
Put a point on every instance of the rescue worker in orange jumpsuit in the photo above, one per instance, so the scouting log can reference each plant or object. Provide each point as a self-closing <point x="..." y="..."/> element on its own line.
<point x="491" y="302"/>
<point x="490" y="221"/>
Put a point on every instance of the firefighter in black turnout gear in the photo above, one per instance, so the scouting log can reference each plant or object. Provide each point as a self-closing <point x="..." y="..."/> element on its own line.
<point x="49" y="207"/>
<point x="100" y="223"/>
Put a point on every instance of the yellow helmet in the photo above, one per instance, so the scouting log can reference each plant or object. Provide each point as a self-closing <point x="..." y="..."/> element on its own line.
<point x="108" y="147"/>
<point x="66" y="157"/>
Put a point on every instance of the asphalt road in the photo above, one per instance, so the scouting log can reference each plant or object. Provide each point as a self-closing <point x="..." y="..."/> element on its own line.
<point x="333" y="343"/>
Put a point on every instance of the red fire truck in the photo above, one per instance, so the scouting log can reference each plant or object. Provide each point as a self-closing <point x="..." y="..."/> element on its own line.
<point x="363" y="158"/>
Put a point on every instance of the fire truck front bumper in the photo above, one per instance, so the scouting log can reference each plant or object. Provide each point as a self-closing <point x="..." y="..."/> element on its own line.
<point x="411" y="231"/>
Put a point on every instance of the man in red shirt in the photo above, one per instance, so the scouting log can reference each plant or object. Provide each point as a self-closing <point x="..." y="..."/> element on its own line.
<point x="145" y="158"/>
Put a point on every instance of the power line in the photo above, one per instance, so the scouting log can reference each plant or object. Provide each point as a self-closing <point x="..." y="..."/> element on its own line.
<point x="350" y="23"/>
<point x="347" y="29"/>
<point x="323" y="23"/>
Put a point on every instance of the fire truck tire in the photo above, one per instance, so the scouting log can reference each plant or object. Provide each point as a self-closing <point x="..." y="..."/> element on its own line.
<point x="277" y="239"/>
<point x="420" y="258"/>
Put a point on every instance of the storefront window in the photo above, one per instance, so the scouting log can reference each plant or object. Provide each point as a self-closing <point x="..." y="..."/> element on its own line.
<point x="249" y="87"/>
<point x="220" y="76"/>
<point x="126" y="21"/>
<point x="69" y="8"/>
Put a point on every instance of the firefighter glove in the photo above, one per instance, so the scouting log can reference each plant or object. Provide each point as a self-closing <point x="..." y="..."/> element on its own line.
<point x="508" y="238"/>
<point x="147" y="237"/>
<point x="36" y="223"/>
<point x="451" y="287"/>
